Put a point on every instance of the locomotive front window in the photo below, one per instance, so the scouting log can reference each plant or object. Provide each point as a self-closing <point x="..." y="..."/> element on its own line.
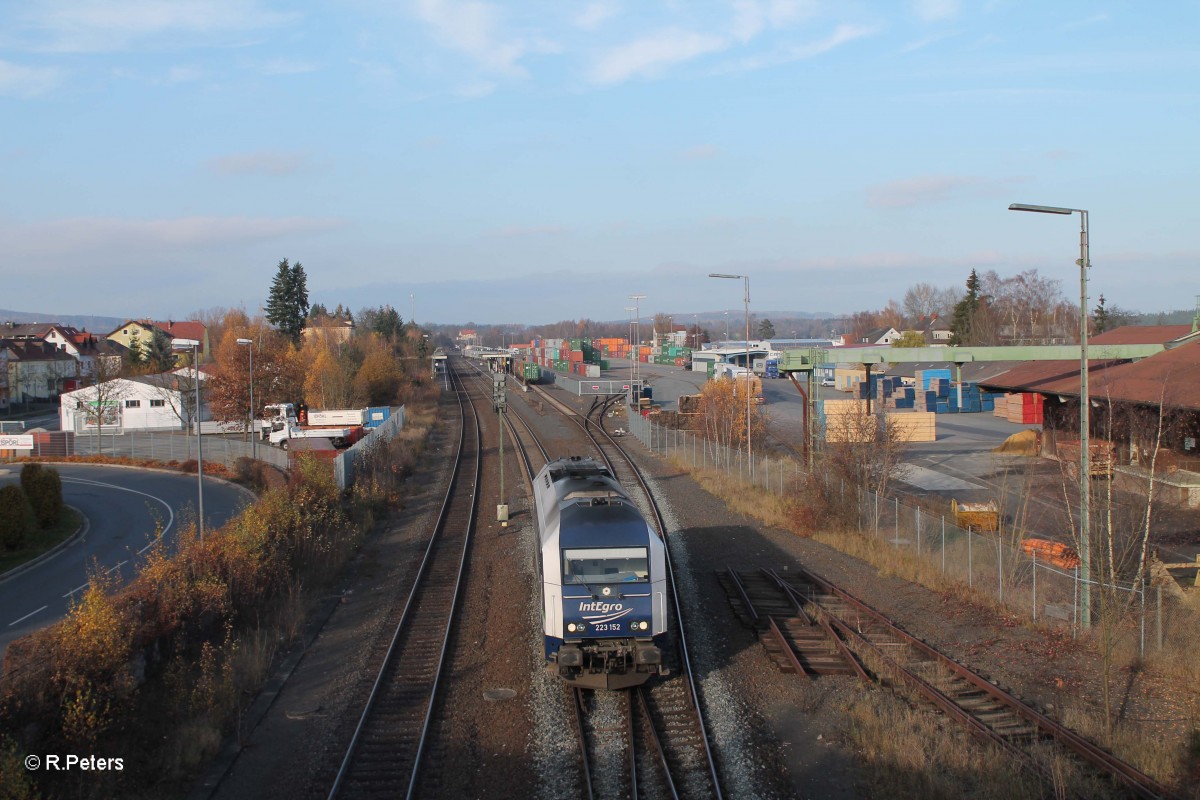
<point x="606" y="565"/>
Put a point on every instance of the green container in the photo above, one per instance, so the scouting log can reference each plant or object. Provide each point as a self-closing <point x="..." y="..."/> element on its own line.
<point x="603" y="364"/>
<point x="709" y="369"/>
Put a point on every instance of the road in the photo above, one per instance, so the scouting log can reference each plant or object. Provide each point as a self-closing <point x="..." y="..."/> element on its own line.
<point x="124" y="507"/>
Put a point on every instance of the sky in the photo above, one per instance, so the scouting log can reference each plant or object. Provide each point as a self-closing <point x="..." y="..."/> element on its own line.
<point x="530" y="161"/>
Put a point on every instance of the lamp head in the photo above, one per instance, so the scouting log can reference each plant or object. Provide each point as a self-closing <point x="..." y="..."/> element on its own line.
<point x="245" y="341"/>
<point x="1041" y="209"/>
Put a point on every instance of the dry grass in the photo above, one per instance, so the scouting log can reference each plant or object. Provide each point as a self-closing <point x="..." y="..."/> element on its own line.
<point x="911" y="751"/>
<point x="1152" y="748"/>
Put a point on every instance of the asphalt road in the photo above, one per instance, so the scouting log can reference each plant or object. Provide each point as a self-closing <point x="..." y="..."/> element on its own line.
<point x="123" y="506"/>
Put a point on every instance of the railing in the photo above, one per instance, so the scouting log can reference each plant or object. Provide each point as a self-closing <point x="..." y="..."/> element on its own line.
<point x="350" y="461"/>
<point x="155" y="445"/>
<point x="993" y="564"/>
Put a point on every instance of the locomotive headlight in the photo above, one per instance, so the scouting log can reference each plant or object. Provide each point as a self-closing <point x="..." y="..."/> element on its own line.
<point x="571" y="627"/>
<point x="644" y="625"/>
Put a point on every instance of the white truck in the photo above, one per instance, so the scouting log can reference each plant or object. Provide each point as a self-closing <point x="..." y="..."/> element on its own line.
<point x="281" y="425"/>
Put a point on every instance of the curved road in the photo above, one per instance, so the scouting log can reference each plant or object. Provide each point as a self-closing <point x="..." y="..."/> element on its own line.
<point x="124" y="507"/>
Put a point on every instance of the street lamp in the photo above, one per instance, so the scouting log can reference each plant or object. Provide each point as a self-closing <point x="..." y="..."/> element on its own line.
<point x="1084" y="262"/>
<point x="253" y="433"/>
<point x="194" y="346"/>
<point x="632" y="353"/>
<point x="746" y="388"/>
<point x="637" y="327"/>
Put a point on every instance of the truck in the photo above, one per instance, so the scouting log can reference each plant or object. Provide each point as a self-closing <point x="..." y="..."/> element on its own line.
<point x="282" y="425"/>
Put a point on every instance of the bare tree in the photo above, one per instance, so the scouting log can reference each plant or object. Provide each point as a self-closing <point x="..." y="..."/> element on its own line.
<point x="920" y="301"/>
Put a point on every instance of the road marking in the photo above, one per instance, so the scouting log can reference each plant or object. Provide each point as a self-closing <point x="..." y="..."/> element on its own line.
<point x="27" y="616"/>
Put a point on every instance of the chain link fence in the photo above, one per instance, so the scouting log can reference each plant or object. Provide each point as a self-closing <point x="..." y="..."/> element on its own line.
<point x="993" y="564"/>
<point x="351" y="461"/>
<point x="155" y="445"/>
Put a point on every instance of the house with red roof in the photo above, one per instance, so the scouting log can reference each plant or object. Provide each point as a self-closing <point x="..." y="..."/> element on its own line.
<point x="143" y="331"/>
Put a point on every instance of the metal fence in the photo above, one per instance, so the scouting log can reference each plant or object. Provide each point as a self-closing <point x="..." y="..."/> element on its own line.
<point x="993" y="564"/>
<point x="351" y="461"/>
<point x="156" y="445"/>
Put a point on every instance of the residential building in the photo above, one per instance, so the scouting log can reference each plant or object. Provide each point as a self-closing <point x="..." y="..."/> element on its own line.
<point x="329" y="329"/>
<point x="143" y="331"/>
<point x="36" y="370"/>
<point x="880" y="336"/>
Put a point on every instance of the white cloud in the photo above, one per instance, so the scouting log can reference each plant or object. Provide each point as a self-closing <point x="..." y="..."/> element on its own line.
<point x="751" y="17"/>
<point x="936" y="10"/>
<point x="923" y="190"/>
<point x="596" y="14"/>
<point x="265" y="162"/>
<point x="842" y="34"/>
<point x="471" y="27"/>
<point x="652" y="54"/>
<point x="20" y="81"/>
<point x="113" y="25"/>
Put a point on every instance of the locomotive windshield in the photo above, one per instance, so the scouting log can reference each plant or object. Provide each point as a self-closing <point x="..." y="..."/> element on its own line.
<point x="606" y="565"/>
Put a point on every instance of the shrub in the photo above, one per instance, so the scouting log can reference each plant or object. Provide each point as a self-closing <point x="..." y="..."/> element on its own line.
<point x="17" y="521"/>
<point x="43" y="489"/>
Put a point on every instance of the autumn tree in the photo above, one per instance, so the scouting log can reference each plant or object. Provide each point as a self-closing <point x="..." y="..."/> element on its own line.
<point x="329" y="378"/>
<point x="379" y="377"/>
<point x="278" y="372"/>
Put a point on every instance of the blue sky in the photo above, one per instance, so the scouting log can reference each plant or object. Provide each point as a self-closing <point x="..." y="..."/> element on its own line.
<point x="535" y="161"/>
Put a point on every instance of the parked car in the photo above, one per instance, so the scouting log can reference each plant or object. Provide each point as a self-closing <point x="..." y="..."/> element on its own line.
<point x="827" y="382"/>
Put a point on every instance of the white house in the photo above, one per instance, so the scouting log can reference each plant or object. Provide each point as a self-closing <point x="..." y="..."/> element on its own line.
<point x="146" y="403"/>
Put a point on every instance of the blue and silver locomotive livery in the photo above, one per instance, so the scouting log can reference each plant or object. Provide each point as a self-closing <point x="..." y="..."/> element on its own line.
<point x="603" y="572"/>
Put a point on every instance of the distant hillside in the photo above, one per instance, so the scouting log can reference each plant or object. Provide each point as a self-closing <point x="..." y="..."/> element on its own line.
<point x="80" y="321"/>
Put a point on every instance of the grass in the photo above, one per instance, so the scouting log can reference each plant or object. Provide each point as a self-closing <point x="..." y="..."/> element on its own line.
<point x="1166" y="757"/>
<point x="42" y="540"/>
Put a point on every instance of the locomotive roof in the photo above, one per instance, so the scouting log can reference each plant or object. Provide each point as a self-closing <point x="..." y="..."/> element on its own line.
<point x="603" y="524"/>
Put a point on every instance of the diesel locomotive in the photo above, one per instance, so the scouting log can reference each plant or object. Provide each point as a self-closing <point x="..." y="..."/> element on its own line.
<point x="603" y="578"/>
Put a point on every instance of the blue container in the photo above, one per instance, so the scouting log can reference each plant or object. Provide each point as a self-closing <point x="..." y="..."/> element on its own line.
<point x="376" y="416"/>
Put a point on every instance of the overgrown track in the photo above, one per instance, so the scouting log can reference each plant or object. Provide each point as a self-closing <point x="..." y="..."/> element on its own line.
<point x="384" y="755"/>
<point x="988" y="712"/>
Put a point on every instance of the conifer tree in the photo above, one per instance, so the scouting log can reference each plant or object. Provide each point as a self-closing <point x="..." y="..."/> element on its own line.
<point x="287" y="303"/>
<point x="964" y="312"/>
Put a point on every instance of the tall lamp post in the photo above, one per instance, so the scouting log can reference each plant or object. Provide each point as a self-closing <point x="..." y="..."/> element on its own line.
<point x="632" y="353"/>
<point x="746" y="388"/>
<point x="637" y="328"/>
<point x="1085" y="478"/>
<point x="194" y="346"/>
<point x="253" y="433"/>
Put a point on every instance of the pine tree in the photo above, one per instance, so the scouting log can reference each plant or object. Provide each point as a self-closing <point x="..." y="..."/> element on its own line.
<point x="766" y="330"/>
<point x="158" y="355"/>
<point x="287" y="304"/>
<point x="964" y="312"/>
<point x="1100" y="316"/>
<point x="135" y="356"/>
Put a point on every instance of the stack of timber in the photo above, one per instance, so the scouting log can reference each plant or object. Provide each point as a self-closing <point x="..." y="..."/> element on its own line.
<point x="848" y="421"/>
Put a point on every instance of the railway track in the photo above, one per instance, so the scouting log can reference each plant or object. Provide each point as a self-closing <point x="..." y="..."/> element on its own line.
<point x="860" y="639"/>
<point x="383" y="758"/>
<point x="666" y="751"/>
